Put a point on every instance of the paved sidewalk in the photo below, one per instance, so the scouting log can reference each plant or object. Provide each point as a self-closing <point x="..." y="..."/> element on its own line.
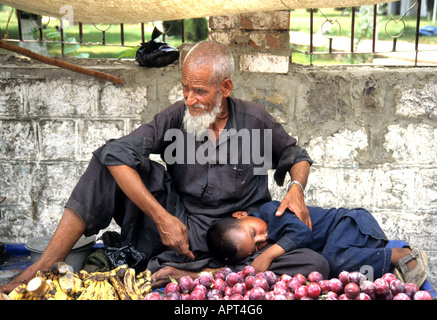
<point x="405" y="52"/>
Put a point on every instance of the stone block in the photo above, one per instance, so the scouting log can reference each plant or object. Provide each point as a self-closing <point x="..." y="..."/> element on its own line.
<point x="266" y="63"/>
<point x="17" y="224"/>
<point x="271" y="41"/>
<point x="18" y="140"/>
<point x="224" y="37"/>
<point x="61" y="98"/>
<point x="11" y="97"/>
<point x="413" y="144"/>
<point x="19" y="182"/>
<point x="223" y="22"/>
<point x="123" y="101"/>
<point x="175" y="94"/>
<point x="58" y="139"/>
<point x="58" y="180"/>
<point x="418" y="102"/>
<point x="272" y="20"/>
<point x="341" y="187"/>
<point x="342" y="148"/>
<point x="94" y="134"/>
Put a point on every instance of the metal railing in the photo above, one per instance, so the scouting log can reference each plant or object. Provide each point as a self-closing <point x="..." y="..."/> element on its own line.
<point x="61" y="38"/>
<point x="349" y="47"/>
<point x="310" y="48"/>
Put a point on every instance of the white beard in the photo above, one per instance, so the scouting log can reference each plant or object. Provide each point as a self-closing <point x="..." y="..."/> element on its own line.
<point x="197" y="125"/>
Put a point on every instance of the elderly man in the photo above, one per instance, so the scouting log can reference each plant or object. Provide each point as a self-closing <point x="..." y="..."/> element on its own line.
<point x="216" y="149"/>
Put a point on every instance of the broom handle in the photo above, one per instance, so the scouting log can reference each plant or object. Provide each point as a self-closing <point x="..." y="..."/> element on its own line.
<point x="61" y="64"/>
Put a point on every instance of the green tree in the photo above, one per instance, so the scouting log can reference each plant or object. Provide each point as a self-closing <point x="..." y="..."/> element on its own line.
<point x="196" y="29"/>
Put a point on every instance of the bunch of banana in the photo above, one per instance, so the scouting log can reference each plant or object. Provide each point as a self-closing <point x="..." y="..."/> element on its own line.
<point x="61" y="283"/>
<point x="98" y="288"/>
<point x="132" y="287"/>
<point x="57" y="283"/>
<point x="103" y="285"/>
<point x="121" y="283"/>
<point x="144" y="281"/>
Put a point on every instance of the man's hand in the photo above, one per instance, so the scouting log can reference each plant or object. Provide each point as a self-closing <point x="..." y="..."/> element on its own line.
<point x="174" y="235"/>
<point x="294" y="201"/>
<point x="172" y="231"/>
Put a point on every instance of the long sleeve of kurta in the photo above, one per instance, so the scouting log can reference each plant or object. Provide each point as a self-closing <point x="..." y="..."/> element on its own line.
<point x="288" y="231"/>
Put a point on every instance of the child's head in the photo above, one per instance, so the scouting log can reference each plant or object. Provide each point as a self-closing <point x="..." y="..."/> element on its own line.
<point x="238" y="237"/>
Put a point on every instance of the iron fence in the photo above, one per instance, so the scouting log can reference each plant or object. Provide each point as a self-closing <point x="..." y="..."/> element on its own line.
<point x="330" y="30"/>
<point x="376" y="48"/>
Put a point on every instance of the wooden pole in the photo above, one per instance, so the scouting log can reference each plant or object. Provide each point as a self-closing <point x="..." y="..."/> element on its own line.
<point x="61" y="64"/>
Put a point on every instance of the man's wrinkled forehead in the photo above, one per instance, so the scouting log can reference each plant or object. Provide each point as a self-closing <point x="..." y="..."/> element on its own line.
<point x="199" y="73"/>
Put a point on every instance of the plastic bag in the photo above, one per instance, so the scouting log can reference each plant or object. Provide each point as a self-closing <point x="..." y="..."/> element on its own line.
<point x="118" y="255"/>
<point x="126" y="255"/>
<point x="155" y="53"/>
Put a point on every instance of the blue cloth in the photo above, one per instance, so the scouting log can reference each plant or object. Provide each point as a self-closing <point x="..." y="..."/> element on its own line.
<point x="428" y="31"/>
<point x="350" y="239"/>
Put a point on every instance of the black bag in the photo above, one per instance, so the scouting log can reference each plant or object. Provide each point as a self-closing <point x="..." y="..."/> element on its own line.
<point x="155" y="53"/>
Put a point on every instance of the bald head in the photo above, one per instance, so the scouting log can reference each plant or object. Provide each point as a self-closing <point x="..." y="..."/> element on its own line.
<point x="212" y="55"/>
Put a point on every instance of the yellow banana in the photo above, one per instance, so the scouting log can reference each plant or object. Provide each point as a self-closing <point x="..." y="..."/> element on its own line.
<point x="146" y="288"/>
<point x="89" y="292"/>
<point x="66" y="283"/>
<point x="95" y="292"/>
<point x="93" y="295"/>
<point x="118" y="271"/>
<point x="38" y="288"/>
<point x="120" y="288"/>
<point x="100" y="292"/>
<point x="60" y="268"/>
<point x="42" y="274"/>
<point x="111" y="293"/>
<point x="131" y="286"/>
<point x="83" y="274"/>
<point x="77" y="285"/>
<point x="60" y="283"/>
<point x="18" y="293"/>
<point x="103" y="293"/>
<point x="52" y="290"/>
<point x="59" y="294"/>
<point x="140" y="282"/>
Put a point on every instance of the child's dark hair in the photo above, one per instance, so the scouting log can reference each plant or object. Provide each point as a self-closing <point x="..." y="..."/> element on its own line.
<point x="220" y="243"/>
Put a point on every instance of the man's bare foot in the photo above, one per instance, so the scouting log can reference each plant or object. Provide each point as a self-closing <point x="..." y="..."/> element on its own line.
<point x="161" y="277"/>
<point x="399" y="253"/>
<point x="410" y="265"/>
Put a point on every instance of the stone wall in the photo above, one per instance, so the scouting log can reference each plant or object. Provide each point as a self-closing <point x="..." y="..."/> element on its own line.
<point x="371" y="131"/>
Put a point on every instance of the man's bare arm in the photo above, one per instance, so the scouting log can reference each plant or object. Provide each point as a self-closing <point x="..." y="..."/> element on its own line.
<point x="69" y="230"/>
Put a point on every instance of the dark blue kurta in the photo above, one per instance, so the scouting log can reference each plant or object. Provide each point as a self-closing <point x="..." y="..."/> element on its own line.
<point x="350" y="239"/>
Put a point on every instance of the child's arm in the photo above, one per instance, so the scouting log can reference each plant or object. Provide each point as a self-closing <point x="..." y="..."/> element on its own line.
<point x="263" y="261"/>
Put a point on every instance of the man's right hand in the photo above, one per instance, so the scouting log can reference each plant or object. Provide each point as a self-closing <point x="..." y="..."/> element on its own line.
<point x="174" y="235"/>
<point x="172" y="231"/>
